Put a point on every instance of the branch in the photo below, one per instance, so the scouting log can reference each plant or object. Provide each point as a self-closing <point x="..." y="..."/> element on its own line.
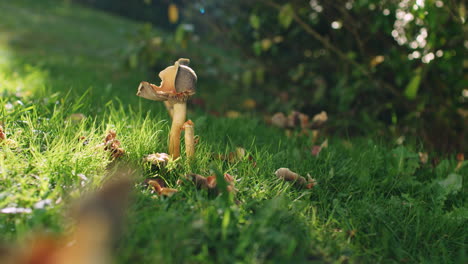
<point x="326" y="43"/>
<point x="351" y="26"/>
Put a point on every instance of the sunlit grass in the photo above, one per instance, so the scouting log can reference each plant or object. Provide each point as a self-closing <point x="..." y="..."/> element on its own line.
<point x="22" y="80"/>
<point x="374" y="202"/>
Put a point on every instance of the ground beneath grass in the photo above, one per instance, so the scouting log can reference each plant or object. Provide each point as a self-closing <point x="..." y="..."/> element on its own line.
<point x="62" y="77"/>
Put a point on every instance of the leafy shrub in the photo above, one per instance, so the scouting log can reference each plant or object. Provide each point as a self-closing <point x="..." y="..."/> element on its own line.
<point x="394" y="61"/>
<point x="372" y="65"/>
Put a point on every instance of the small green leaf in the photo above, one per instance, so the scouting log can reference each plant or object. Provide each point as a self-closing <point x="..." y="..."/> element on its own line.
<point x="254" y="21"/>
<point x="413" y="86"/>
<point x="286" y="15"/>
<point x="298" y="72"/>
<point x="257" y="47"/>
<point x="225" y="222"/>
<point x="247" y="78"/>
<point x="133" y="61"/>
<point x="260" y="75"/>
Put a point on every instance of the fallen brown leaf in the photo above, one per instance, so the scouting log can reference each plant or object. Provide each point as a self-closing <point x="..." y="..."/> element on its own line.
<point x="163" y="191"/>
<point x="233" y="156"/>
<point x="298" y="119"/>
<point x="460" y="159"/>
<point x="200" y="181"/>
<point x="7" y="141"/>
<point x="376" y="60"/>
<point x="301" y="182"/>
<point x="319" y="120"/>
<point x="463" y="112"/>
<point x="315" y="135"/>
<point x="279" y="120"/>
<point x="352" y="233"/>
<point x="112" y="145"/>
<point x="236" y="155"/>
<point x="423" y="157"/>
<point x="84" y="140"/>
<point x="318" y="148"/>
<point x="254" y="163"/>
<point x="209" y="183"/>
<point x="249" y="104"/>
<point x="2" y="134"/>
<point x="233" y="114"/>
<point x="160" y="181"/>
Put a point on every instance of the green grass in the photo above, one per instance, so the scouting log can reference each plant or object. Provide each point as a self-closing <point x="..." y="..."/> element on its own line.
<point x="374" y="203"/>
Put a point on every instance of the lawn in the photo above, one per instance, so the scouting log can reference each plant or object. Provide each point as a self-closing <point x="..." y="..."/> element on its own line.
<point x="63" y="77"/>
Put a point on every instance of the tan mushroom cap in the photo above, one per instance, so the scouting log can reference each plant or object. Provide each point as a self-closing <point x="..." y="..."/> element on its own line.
<point x="177" y="84"/>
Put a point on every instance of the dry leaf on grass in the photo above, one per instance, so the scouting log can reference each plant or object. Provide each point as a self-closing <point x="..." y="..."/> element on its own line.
<point x="112" y="145"/>
<point x="279" y="120"/>
<point x="233" y="114"/>
<point x="249" y="104"/>
<point x="3" y="139"/>
<point x="202" y="182"/>
<point x="293" y="120"/>
<point x="2" y="134"/>
<point x="297" y="119"/>
<point x="209" y="183"/>
<point x="301" y="182"/>
<point x="235" y="156"/>
<point x="317" y="148"/>
<point x="460" y="159"/>
<point x="423" y="157"/>
<point x="84" y="140"/>
<point x="319" y="120"/>
<point x="158" y="186"/>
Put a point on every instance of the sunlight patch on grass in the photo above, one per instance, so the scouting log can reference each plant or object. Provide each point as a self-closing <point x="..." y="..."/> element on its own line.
<point x="20" y="80"/>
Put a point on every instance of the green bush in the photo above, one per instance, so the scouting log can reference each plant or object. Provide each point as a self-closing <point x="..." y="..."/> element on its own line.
<point x="385" y="66"/>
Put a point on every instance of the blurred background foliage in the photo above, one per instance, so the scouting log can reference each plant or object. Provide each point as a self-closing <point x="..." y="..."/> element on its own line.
<point x="391" y="68"/>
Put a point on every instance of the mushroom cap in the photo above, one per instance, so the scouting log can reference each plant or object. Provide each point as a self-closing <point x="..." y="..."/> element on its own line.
<point x="177" y="84"/>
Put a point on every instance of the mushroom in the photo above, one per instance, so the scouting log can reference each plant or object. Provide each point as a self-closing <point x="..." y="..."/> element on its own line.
<point x="189" y="139"/>
<point x="177" y="85"/>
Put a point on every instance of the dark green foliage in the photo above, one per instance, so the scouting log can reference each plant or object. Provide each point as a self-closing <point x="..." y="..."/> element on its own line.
<point x="154" y="11"/>
<point x="356" y="71"/>
<point x="373" y="65"/>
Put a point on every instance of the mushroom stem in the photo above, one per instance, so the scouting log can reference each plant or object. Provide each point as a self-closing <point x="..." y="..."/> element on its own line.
<point x="180" y="112"/>
<point x="189" y="139"/>
<point x="170" y="108"/>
